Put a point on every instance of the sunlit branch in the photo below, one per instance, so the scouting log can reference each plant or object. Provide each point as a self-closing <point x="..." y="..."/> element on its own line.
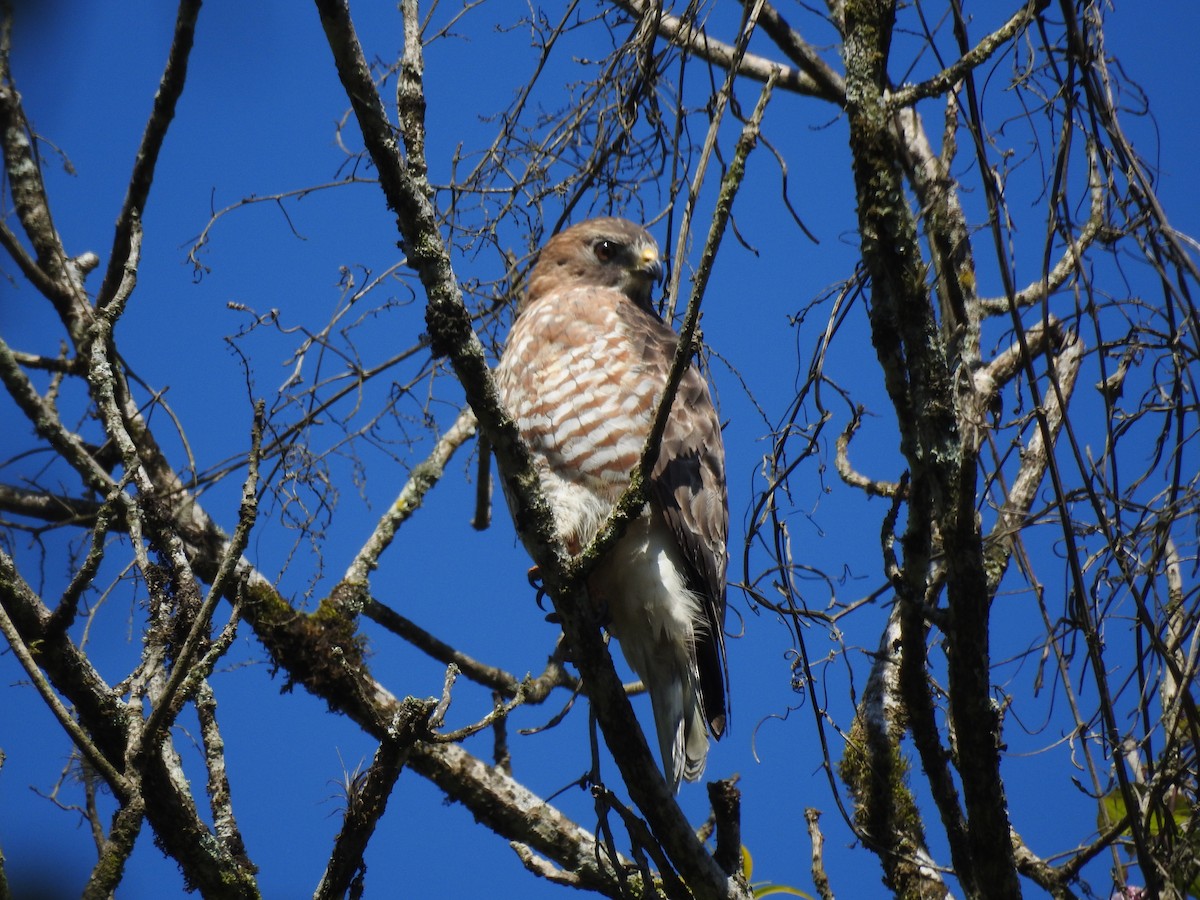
<point x="687" y="35"/>
<point x="812" y="819"/>
<point x="946" y="79"/>
<point x="410" y="94"/>
<point x="847" y="471"/>
<point x="1034" y="459"/>
<point x="1040" y="338"/>
<point x="1176" y="697"/>
<point x="423" y="477"/>
<point x="366" y="803"/>
<point x="220" y="797"/>
<point x="170" y="89"/>
<point x="1071" y="260"/>
<point x="1040" y="872"/>
<point x="59" y="281"/>
<point x="802" y="53"/>
<point x="513" y="811"/>
<point x="545" y="869"/>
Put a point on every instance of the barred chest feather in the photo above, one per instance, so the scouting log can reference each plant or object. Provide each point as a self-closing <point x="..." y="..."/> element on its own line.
<point x="583" y="398"/>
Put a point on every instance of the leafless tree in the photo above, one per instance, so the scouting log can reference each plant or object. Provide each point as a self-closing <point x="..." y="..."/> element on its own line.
<point x="1042" y="411"/>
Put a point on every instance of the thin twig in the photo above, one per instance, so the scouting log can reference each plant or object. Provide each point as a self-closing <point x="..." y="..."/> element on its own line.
<point x="691" y="37"/>
<point x="170" y="88"/>
<point x="983" y="50"/>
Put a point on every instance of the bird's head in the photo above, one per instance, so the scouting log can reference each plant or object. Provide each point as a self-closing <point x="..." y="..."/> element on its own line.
<point x="604" y="252"/>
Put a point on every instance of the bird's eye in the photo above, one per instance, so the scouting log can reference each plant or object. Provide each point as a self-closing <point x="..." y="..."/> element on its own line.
<point x="605" y="250"/>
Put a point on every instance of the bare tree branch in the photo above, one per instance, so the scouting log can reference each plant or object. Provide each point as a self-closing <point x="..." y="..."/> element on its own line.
<point x="170" y="89"/>
<point x="366" y="804"/>
<point x="983" y="50"/>
<point x="688" y="35"/>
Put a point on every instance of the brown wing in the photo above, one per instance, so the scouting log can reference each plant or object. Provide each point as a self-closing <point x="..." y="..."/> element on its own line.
<point x="687" y="488"/>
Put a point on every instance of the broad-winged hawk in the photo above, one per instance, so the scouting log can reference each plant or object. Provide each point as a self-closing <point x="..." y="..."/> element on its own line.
<point x="582" y="374"/>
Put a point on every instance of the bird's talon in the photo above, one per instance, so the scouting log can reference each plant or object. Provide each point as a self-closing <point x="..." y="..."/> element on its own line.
<point x="535" y="578"/>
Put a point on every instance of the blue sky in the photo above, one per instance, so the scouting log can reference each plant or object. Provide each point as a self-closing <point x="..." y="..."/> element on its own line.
<point x="258" y="117"/>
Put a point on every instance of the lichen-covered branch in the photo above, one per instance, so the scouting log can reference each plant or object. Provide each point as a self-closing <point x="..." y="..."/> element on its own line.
<point x="170" y="89"/>
<point x="366" y="802"/>
<point x="943" y="472"/>
<point x="876" y="771"/>
<point x="424" y="476"/>
<point x="58" y="279"/>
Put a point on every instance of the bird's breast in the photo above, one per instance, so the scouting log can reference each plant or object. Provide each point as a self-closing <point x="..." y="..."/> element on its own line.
<point x="579" y="395"/>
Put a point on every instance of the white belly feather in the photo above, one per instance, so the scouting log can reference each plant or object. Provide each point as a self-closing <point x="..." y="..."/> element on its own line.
<point x="655" y="618"/>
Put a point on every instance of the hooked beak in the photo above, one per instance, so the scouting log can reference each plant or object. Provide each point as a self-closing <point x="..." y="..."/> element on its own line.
<point x="650" y="265"/>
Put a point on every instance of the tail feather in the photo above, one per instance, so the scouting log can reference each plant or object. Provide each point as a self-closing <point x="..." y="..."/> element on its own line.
<point x="661" y="625"/>
<point x="679" y="721"/>
<point x="695" y="744"/>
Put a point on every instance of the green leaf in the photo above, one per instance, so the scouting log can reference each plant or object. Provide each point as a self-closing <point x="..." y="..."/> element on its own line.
<point x="767" y="890"/>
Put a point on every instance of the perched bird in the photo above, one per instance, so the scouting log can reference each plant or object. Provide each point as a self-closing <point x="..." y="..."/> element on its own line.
<point x="582" y="374"/>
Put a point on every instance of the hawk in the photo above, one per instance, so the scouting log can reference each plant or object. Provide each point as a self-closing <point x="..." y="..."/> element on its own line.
<point x="582" y="374"/>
